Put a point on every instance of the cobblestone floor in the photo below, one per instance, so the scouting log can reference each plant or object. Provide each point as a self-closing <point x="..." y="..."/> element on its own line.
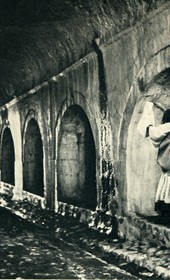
<point x="31" y="253"/>
<point x="141" y="254"/>
<point x="139" y="258"/>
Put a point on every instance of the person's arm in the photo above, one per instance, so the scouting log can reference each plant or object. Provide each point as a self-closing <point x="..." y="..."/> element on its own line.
<point x="159" y="106"/>
<point x="157" y="133"/>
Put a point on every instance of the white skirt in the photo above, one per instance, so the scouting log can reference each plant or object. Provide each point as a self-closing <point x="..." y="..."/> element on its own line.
<point x="163" y="191"/>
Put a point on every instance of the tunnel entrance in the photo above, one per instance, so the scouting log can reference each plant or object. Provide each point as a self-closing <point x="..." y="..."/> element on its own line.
<point x="33" y="160"/>
<point x="7" y="158"/>
<point x="76" y="160"/>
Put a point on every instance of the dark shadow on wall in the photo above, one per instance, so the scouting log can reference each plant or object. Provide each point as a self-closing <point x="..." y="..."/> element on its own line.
<point x="76" y="160"/>
<point x="7" y="158"/>
<point x="33" y="160"/>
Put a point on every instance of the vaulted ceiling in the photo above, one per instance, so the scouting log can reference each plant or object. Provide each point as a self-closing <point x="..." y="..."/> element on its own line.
<point x="39" y="38"/>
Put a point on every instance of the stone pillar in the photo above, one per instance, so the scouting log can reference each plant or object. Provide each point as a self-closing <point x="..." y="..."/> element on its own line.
<point x="50" y="185"/>
<point x="55" y="188"/>
<point x="18" y="188"/>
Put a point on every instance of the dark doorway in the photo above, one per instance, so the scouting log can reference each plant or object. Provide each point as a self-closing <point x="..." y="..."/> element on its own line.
<point x="33" y="160"/>
<point x="8" y="158"/>
<point x="76" y="160"/>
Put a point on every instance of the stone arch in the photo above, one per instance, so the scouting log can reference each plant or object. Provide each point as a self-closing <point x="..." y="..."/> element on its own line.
<point x="7" y="157"/>
<point x="33" y="168"/>
<point x="136" y="155"/>
<point x="142" y="170"/>
<point x="155" y="65"/>
<point x="76" y="160"/>
<point x="146" y="75"/>
<point x="141" y="150"/>
<point x="77" y="114"/>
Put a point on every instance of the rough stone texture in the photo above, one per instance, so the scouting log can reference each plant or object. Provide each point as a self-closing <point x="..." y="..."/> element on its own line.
<point x="141" y="228"/>
<point x="76" y="160"/>
<point x="142" y="62"/>
<point x="108" y="57"/>
<point x="40" y="40"/>
<point x="144" y="259"/>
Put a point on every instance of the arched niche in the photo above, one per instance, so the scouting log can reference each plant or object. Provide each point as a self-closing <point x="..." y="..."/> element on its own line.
<point x="7" y="158"/>
<point x="33" y="160"/>
<point x="76" y="160"/>
<point x="142" y="170"/>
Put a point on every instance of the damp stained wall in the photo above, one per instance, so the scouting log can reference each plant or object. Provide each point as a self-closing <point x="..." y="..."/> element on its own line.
<point x="106" y="80"/>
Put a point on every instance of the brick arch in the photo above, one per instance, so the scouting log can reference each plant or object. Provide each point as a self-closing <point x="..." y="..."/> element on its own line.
<point x="7" y="156"/>
<point x="30" y="115"/>
<point x="12" y="120"/>
<point x="156" y="64"/>
<point x="142" y="171"/>
<point x="77" y="100"/>
<point x="130" y="117"/>
<point x="33" y="156"/>
<point x="76" y="160"/>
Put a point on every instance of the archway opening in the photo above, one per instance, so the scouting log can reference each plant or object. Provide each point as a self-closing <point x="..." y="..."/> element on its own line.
<point x="33" y="160"/>
<point x="143" y="172"/>
<point x="7" y="158"/>
<point x="76" y="160"/>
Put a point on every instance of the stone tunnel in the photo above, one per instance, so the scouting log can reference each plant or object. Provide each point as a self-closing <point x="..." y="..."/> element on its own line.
<point x="74" y="81"/>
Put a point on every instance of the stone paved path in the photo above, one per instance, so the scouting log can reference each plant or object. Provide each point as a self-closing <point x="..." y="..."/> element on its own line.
<point x="145" y="259"/>
<point x="142" y="259"/>
<point x="36" y="254"/>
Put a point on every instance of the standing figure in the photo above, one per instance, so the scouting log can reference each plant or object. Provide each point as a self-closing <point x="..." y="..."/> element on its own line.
<point x="160" y="137"/>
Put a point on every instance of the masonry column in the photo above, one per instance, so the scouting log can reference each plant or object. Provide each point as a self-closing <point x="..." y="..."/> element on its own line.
<point x="50" y="185"/>
<point x="17" y="193"/>
<point x="49" y="165"/>
<point x="15" y="125"/>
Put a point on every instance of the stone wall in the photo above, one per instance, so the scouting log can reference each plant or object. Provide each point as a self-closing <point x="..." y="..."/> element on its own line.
<point x="132" y="59"/>
<point x="110" y="85"/>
